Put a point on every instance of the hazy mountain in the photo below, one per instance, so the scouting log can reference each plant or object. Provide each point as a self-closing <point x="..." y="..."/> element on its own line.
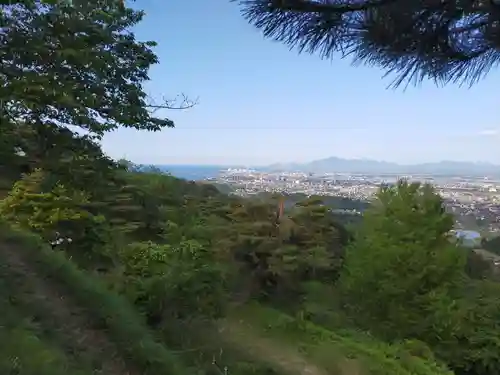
<point x="340" y="165"/>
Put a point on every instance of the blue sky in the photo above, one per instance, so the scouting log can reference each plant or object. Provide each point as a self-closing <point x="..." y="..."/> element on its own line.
<point x="260" y="103"/>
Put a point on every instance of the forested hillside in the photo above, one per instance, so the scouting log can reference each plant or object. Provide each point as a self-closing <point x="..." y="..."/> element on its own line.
<point x="111" y="269"/>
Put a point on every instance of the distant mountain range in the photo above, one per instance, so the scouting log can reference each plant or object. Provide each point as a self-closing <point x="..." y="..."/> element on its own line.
<point x="340" y="165"/>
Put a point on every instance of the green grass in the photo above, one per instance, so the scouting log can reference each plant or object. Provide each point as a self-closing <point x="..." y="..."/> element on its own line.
<point x="342" y="354"/>
<point x="109" y="310"/>
<point x="28" y="320"/>
<point x="25" y="347"/>
<point x="23" y="352"/>
<point x="198" y="342"/>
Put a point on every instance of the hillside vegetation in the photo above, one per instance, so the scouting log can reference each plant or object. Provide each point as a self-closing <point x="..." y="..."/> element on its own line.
<point x="61" y="319"/>
<point x="149" y="274"/>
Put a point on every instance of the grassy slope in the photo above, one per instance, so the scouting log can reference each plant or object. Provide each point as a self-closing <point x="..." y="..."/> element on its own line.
<point x="61" y="320"/>
<point x="35" y="308"/>
<point x="253" y="339"/>
<point x="270" y="333"/>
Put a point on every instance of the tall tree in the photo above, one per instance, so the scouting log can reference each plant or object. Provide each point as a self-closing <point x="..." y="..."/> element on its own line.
<point x="76" y="66"/>
<point x="402" y="262"/>
<point x="453" y="40"/>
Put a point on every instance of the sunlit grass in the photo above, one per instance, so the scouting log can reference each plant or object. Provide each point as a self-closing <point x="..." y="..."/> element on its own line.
<point x="343" y="354"/>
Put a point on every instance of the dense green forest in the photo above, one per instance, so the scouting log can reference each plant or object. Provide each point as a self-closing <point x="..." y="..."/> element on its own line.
<point x="150" y="274"/>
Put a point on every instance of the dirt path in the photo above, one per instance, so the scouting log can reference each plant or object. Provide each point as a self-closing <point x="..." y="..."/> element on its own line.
<point x="74" y="321"/>
<point x="287" y="359"/>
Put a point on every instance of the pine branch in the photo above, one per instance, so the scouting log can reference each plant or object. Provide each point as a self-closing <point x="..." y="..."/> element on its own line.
<point x="442" y="40"/>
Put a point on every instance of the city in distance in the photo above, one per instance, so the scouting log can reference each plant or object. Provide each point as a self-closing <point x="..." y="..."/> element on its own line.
<point x="471" y="191"/>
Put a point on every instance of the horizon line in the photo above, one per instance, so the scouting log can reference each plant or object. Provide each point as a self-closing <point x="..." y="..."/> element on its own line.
<point x="229" y="165"/>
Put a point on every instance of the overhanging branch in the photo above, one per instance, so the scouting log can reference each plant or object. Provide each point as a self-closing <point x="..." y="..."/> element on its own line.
<point x="441" y="40"/>
<point x="307" y="6"/>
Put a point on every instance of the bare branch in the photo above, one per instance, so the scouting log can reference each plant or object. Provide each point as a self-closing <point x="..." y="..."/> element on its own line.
<point x="180" y="102"/>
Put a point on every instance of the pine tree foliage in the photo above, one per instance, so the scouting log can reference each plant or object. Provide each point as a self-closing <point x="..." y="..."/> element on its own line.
<point x="448" y="40"/>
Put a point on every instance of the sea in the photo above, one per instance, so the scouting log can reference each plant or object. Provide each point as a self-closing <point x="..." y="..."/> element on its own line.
<point x="193" y="172"/>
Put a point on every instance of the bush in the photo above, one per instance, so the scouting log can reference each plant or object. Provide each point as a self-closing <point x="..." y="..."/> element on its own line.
<point x="173" y="281"/>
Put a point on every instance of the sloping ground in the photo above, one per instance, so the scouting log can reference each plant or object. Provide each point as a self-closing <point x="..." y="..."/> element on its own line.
<point x="58" y="320"/>
<point x="287" y="359"/>
<point x="300" y="347"/>
<point x="68" y="322"/>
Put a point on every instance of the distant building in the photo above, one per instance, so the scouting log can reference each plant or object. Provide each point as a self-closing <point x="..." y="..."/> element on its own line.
<point x="469" y="238"/>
